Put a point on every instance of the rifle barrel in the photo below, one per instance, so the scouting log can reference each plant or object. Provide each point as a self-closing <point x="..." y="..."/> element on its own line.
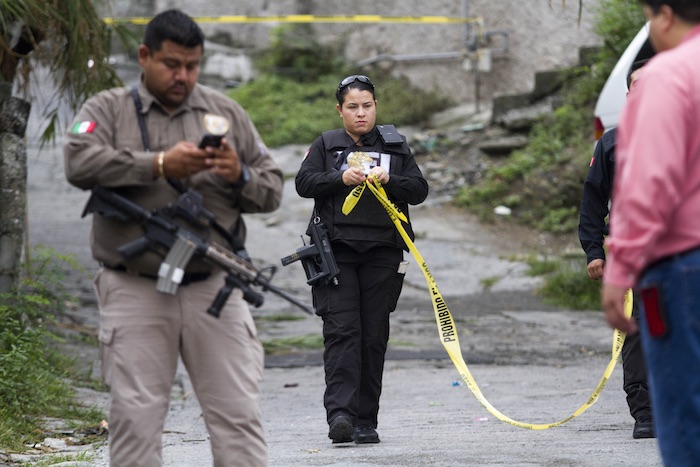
<point x="233" y="262"/>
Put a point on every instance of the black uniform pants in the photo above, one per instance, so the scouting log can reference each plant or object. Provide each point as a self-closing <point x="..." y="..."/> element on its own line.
<point x="356" y="330"/>
<point x="634" y="371"/>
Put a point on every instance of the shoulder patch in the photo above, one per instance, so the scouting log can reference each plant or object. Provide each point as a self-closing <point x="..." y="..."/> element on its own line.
<point x="83" y="127"/>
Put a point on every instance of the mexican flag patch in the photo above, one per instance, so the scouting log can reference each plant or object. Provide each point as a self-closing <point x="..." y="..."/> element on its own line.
<point x="83" y="127"/>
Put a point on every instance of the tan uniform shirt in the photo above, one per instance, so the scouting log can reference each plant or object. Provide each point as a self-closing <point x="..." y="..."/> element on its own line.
<point x="111" y="153"/>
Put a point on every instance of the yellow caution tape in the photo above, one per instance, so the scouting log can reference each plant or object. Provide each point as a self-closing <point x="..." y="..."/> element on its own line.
<point x="447" y="332"/>
<point x="352" y="199"/>
<point x="390" y="207"/>
<point x="311" y="19"/>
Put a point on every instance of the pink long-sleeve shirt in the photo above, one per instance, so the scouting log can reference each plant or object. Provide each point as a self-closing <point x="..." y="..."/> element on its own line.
<point x="656" y="191"/>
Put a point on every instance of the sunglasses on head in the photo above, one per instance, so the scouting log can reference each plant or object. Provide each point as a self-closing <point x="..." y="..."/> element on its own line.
<point x="351" y="79"/>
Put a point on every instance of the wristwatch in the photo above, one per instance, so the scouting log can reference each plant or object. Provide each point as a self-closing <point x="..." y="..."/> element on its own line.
<point x="245" y="177"/>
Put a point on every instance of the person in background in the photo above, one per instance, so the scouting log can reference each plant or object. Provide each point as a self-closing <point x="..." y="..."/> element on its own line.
<point x="654" y="242"/>
<point x="145" y="144"/>
<point x="368" y="250"/>
<point x="591" y="232"/>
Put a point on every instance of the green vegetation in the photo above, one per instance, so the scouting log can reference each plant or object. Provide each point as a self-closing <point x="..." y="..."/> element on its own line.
<point x="293" y="99"/>
<point x="566" y="283"/>
<point x="488" y="282"/>
<point x="58" y="38"/>
<point x="542" y="182"/>
<point x="73" y="459"/>
<point x="34" y="375"/>
<point x="287" y="345"/>
<point x="278" y="317"/>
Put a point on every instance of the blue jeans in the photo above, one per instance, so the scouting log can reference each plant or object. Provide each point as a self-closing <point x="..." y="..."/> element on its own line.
<point x="673" y="360"/>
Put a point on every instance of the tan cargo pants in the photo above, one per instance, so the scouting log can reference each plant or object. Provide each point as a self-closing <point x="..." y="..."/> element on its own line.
<point x="143" y="332"/>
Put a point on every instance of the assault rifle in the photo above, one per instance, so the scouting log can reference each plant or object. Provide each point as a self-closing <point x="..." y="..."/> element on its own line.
<point x="317" y="258"/>
<point x="161" y="231"/>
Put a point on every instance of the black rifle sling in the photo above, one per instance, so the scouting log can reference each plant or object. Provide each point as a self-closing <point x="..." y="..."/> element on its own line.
<point x="233" y="239"/>
<point x="139" y="117"/>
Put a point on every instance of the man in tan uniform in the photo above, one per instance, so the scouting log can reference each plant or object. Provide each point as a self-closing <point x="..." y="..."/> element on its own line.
<point x="143" y="331"/>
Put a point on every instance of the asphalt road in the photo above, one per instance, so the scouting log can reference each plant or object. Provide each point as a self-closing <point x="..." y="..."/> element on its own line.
<point x="533" y="362"/>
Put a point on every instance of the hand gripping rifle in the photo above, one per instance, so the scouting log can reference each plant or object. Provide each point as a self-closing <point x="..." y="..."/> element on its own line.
<point x="317" y="258"/>
<point x="161" y="231"/>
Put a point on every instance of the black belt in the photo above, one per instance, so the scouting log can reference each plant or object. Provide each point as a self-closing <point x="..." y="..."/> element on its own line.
<point x="188" y="278"/>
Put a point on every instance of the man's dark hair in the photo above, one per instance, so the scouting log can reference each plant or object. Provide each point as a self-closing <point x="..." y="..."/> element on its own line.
<point x="175" y="26"/>
<point x="688" y="10"/>
<point x="635" y="66"/>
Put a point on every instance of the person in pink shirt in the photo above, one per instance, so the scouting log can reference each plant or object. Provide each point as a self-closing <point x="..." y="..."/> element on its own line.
<point x="654" y="242"/>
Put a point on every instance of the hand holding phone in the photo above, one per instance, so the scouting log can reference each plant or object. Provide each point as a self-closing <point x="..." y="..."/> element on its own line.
<point x="210" y="140"/>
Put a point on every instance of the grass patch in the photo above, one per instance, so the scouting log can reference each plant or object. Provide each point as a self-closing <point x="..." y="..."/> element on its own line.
<point x="566" y="283"/>
<point x="279" y="317"/>
<point x="400" y="343"/>
<point x="571" y="288"/>
<point x="541" y="266"/>
<point x="84" y="456"/>
<point x="488" y="282"/>
<point x="34" y="375"/>
<point x="286" y="345"/>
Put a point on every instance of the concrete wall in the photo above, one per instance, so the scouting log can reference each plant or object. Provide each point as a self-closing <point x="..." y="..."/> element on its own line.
<point x="538" y="35"/>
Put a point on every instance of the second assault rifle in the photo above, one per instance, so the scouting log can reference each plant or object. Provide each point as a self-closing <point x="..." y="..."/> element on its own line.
<point x="317" y="258"/>
<point x="162" y="232"/>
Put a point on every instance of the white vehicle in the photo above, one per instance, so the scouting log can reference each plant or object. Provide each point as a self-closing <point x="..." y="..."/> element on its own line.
<point x="612" y="97"/>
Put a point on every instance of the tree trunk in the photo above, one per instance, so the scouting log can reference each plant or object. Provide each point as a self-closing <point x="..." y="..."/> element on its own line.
<point x="14" y="114"/>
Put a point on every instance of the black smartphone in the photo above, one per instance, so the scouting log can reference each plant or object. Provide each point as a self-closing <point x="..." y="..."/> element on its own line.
<point x="655" y="311"/>
<point x="210" y="140"/>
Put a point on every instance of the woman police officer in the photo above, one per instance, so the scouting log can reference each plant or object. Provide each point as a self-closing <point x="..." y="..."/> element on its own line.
<point x="368" y="250"/>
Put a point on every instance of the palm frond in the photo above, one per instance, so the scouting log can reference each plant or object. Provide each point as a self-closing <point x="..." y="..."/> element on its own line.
<point x="66" y="37"/>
